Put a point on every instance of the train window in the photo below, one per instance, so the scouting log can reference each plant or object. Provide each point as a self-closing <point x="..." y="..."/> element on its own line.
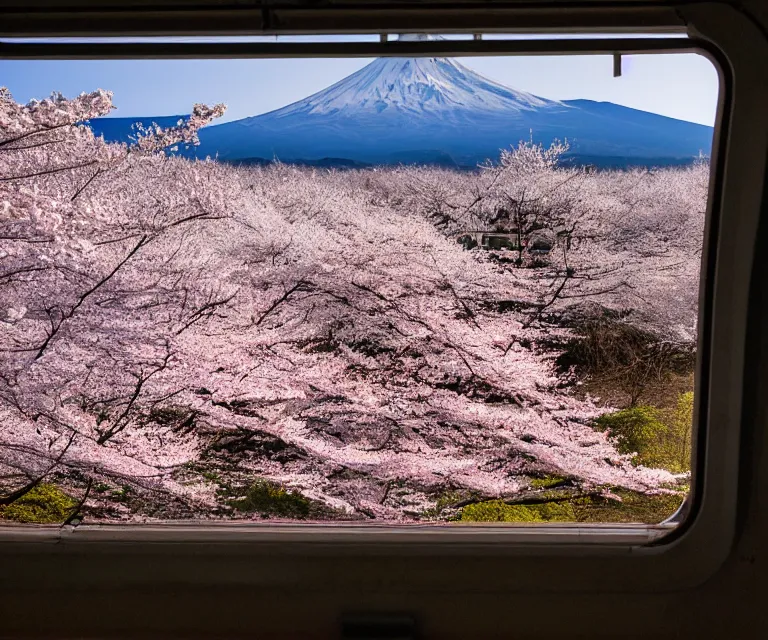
<point x="419" y="288"/>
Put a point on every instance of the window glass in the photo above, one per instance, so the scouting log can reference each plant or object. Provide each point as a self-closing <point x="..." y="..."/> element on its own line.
<point x="426" y="289"/>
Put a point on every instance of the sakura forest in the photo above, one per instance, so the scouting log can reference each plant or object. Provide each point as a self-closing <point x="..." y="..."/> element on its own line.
<point x="188" y="339"/>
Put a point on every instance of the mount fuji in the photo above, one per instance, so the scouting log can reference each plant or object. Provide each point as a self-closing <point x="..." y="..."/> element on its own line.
<point x="437" y="111"/>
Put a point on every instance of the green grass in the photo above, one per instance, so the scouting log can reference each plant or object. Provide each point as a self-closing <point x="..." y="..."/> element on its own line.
<point x="45" y="504"/>
<point x="659" y="438"/>
<point x="633" y="508"/>
<point x="498" y="511"/>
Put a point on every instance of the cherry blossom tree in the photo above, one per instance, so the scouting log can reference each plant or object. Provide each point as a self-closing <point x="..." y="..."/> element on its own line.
<point x="318" y="328"/>
<point x="77" y="354"/>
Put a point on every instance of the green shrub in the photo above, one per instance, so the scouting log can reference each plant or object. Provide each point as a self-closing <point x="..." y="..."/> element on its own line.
<point x="211" y="476"/>
<point x="45" y="504"/>
<point x="498" y="511"/>
<point x="680" y="424"/>
<point x="634" y="507"/>
<point x="448" y="499"/>
<point x="634" y="430"/>
<point x="555" y="511"/>
<point x="270" y="499"/>
<point x="660" y="439"/>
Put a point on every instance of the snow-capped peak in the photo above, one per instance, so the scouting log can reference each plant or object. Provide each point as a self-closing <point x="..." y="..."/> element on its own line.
<point x="415" y="86"/>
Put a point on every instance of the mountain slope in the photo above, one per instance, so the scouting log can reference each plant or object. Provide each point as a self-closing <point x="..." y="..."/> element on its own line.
<point x="436" y="110"/>
<point x="423" y="88"/>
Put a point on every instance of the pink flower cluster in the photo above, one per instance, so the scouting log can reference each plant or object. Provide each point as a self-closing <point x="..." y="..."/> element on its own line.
<point x="322" y="329"/>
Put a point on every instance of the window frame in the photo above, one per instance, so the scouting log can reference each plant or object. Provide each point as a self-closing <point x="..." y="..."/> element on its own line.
<point x="421" y="557"/>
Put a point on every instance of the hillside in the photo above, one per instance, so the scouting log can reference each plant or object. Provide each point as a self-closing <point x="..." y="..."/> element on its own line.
<point x="438" y="111"/>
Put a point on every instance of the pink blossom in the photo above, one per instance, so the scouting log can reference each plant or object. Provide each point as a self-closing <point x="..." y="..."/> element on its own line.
<point x="152" y="308"/>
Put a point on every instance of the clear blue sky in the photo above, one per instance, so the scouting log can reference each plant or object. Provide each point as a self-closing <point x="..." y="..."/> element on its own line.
<point x="682" y="86"/>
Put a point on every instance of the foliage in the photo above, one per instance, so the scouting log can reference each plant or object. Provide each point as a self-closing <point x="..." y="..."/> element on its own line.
<point x="678" y="443"/>
<point x="270" y="499"/>
<point x="630" y="507"/>
<point x="658" y="438"/>
<point x="636" y="430"/>
<point x="498" y="511"/>
<point x="211" y="476"/>
<point x="44" y="504"/>
<point x="448" y="499"/>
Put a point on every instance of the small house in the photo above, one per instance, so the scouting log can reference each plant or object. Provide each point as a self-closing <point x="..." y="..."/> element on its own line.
<point x="489" y="240"/>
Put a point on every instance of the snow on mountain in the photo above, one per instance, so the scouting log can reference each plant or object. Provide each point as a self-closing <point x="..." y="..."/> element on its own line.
<point x="423" y="88"/>
<point x="436" y="110"/>
<point x="431" y="87"/>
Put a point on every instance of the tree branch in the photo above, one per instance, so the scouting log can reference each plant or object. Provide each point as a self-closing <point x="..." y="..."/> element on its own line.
<point x="49" y="171"/>
<point x="34" y="133"/>
<point x="20" y="493"/>
<point x="76" y="510"/>
<point x="98" y="172"/>
<point x="299" y="286"/>
<point x="55" y="328"/>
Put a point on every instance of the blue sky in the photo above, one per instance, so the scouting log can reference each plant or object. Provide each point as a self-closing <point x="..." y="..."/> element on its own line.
<point x="682" y="86"/>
